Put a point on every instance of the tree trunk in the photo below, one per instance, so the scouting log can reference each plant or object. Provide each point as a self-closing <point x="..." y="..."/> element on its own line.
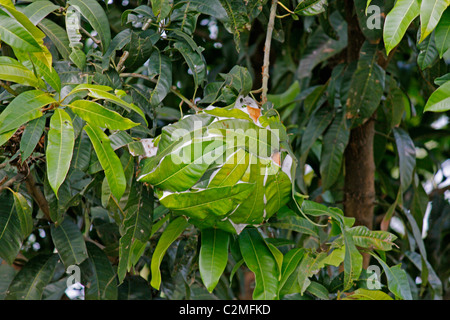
<point x="359" y="189"/>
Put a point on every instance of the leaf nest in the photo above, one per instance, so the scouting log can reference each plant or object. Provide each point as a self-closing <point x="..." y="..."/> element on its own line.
<point x="222" y="167"/>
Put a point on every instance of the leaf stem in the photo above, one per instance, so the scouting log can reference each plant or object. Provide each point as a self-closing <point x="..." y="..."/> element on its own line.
<point x="8" y="88"/>
<point x="173" y="89"/>
<point x="265" y="67"/>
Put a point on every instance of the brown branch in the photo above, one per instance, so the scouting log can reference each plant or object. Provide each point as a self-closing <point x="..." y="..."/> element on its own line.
<point x="5" y="183"/>
<point x="37" y="195"/>
<point x="265" y="67"/>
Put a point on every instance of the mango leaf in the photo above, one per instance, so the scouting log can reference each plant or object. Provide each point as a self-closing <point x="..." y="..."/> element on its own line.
<point x="160" y="8"/>
<point x="364" y="294"/>
<point x="170" y="234"/>
<point x="260" y="260"/>
<point x="407" y="156"/>
<point x="353" y="260"/>
<point x="318" y="290"/>
<point x="49" y="74"/>
<point x="397" y="279"/>
<point x="213" y="256"/>
<point x="335" y="141"/>
<point x="240" y="79"/>
<point x="439" y="101"/>
<point x="78" y="57"/>
<point x="57" y="35"/>
<point x="137" y="226"/>
<point x="98" y="275"/>
<point x="24" y="213"/>
<point x="367" y="85"/>
<point x="310" y="7"/>
<point x="397" y="22"/>
<point x="378" y="240"/>
<point x="99" y="116"/>
<point x="31" y="136"/>
<point x="428" y="53"/>
<point x="69" y="242"/>
<point x="296" y="223"/>
<point x="59" y="150"/>
<point x="13" y="70"/>
<point x="36" y="11"/>
<point x="162" y="66"/>
<point x="195" y="62"/>
<point x="237" y="18"/>
<point x="25" y="107"/>
<point x="108" y="159"/>
<point x="217" y="201"/>
<point x="17" y="36"/>
<point x="93" y="12"/>
<point x="291" y="261"/>
<point x="442" y="34"/>
<point x="10" y="229"/>
<point x="102" y="94"/>
<point x="117" y="43"/>
<point x="31" y="280"/>
<point x="433" y="279"/>
<point x="7" y="274"/>
<point x="211" y="7"/>
<point x="430" y="14"/>
<point x="308" y="267"/>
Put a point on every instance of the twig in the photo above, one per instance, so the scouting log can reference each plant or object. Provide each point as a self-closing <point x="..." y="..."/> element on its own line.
<point x="122" y="60"/>
<point x="4" y="184"/>
<point x="8" y="88"/>
<point x="173" y="89"/>
<point x="98" y="42"/>
<point x="265" y="67"/>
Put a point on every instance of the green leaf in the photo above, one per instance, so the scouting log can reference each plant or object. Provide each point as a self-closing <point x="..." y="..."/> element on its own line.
<point x="291" y="261"/>
<point x="297" y="224"/>
<point x="99" y="274"/>
<point x="160" y="65"/>
<point x="99" y="116"/>
<point x="17" y="36"/>
<point x="407" y="157"/>
<point x="57" y="35"/>
<point x="7" y="274"/>
<point x="10" y="229"/>
<point x="213" y="256"/>
<point x="31" y="136"/>
<point x="260" y="260"/>
<point x="353" y="260"/>
<point x="397" y="22"/>
<point x="310" y="7"/>
<point x="25" y="107"/>
<point x="69" y="242"/>
<point x="433" y="279"/>
<point x="210" y="7"/>
<point x="367" y="85"/>
<point x="38" y="10"/>
<point x="237" y="18"/>
<point x="439" y="101"/>
<point x="170" y="234"/>
<point x="397" y="279"/>
<point x="217" y="201"/>
<point x="195" y="62"/>
<point x="318" y="290"/>
<point x="59" y="150"/>
<point x="137" y="226"/>
<point x="13" y="70"/>
<point x="430" y="14"/>
<point x="428" y="53"/>
<point x="31" y="280"/>
<point x="108" y="159"/>
<point x="364" y="294"/>
<point x="93" y="12"/>
<point x="101" y="94"/>
<point x="50" y="75"/>
<point x="24" y="213"/>
<point x="117" y="43"/>
<point x="160" y="8"/>
<point x="335" y="141"/>
<point x="309" y="266"/>
<point x="78" y="57"/>
<point x="378" y="240"/>
<point x="442" y="34"/>
<point x="240" y="79"/>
